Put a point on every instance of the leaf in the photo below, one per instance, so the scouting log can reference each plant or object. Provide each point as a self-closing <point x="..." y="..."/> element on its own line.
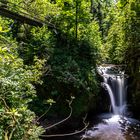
<point x="3" y="31"/>
<point x="50" y="101"/>
<point x="0" y="28"/>
<point x="1" y="110"/>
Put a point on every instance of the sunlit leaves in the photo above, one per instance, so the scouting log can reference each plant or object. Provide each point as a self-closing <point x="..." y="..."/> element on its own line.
<point x="50" y="101"/>
<point x="16" y="91"/>
<point x="123" y="36"/>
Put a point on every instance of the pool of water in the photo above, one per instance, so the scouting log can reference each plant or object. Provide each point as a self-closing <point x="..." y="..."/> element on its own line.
<point x="115" y="127"/>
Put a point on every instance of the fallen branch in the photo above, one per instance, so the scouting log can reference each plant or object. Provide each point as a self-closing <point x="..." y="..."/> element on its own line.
<point x="69" y="134"/>
<point x="70" y="102"/>
<point x="43" y="114"/>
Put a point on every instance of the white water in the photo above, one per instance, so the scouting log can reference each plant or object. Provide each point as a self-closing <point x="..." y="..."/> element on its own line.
<point x="111" y="98"/>
<point x="114" y="128"/>
<point x="115" y="84"/>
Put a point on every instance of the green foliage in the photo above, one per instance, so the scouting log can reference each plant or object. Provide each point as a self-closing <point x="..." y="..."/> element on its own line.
<point x="123" y="36"/>
<point x="122" y="43"/>
<point x="71" y="50"/>
<point x="72" y="70"/>
<point x="16" y="91"/>
<point x="71" y="60"/>
<point x="38" y="42"/>
<point x="115" y="41"/>
<point x="82" y="34"/>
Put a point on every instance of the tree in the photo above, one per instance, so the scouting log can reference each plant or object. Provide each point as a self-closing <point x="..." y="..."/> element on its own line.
<point x="123" y="42"/>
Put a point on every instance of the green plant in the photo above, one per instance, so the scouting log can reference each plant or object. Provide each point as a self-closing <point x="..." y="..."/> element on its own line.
<point x="16" y="91"/>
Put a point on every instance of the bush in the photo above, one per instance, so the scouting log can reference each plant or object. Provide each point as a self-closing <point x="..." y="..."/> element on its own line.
<point x="16" y="91"/>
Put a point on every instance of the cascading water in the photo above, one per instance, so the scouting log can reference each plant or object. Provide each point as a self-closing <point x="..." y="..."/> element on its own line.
<point x="116" y="86"/>
<point x="115" y="125"/>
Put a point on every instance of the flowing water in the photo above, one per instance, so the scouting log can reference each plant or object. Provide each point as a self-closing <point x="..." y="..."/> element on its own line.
<point x="115" y="125"/>
<point x="115" y="84"/>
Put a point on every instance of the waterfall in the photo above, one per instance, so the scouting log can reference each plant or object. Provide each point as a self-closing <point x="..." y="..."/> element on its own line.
<point x="116" y="126"/>
<point x="115" y="83"/>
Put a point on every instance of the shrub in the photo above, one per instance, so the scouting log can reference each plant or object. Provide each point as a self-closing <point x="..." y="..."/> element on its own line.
<point x="16" y="91"/>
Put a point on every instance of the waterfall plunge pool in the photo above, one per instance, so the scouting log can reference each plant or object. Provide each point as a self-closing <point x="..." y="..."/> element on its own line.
<point x="114" y="127"/>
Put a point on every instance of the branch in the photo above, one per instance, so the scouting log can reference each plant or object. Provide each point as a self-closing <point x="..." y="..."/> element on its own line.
<point x="70" y="102"/>
<point x="70" y="134"/>
<point x="43" y="114"/>
<point x="14" y="119"/>
<point x="8" y="109"/>
<point x="11" y="134"/>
